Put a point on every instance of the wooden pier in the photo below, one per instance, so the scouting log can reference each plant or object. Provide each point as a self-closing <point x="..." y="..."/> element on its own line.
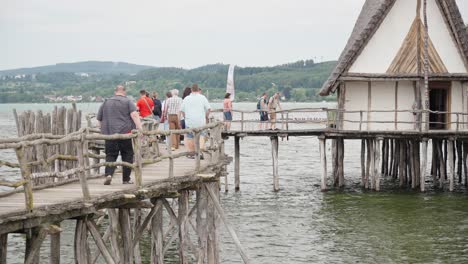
<point x="408" y="156"/>
<point x="174" y="199"/>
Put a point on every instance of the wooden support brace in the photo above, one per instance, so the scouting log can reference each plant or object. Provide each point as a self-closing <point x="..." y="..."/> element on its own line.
<point x="100" y="242"/>
<point x="237" y="163"/>
<point x="274" y="154"/>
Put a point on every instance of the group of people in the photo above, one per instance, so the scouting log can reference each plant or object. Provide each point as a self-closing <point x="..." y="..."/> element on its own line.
<point x="119" y="115"/>
<point x="267" y="108"/>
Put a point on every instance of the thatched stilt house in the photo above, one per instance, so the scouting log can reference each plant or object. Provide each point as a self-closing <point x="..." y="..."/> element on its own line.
<point x="383" y="68"/>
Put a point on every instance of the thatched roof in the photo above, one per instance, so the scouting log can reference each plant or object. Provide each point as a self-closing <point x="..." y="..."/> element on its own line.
<point x="372" y="15"/>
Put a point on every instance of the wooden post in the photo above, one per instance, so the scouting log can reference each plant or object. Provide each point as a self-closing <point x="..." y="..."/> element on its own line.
<point x="55" y="247"/>
<point x="138" y="158"/>
<point x="25" y="169"/>
<point x="402" y="163"/>
<point x="360" y="120"/>
<point x="197" y="151"/>
<point x="182" y="221"/>
<point x="368" y="165"/>
<point x="242" y="121"/>
<point x="422" y="183"/>
<point x="450" y="164"/>
<point x="100" y="242"/>
<point x="363" y="162"/>
<point x="274" y="154"/>
<point x="157" y="254"/>
<point x="125" y="228"/>
<point x="212" y="224"/>
<point x="237" y="163"/>
<point x="81" y="174"/>
<point x="372" y="165"/>
<point x="169" y="152"/>
<point x="3" y="248"/>
<point x="323" y="162"/>
<point x="32" y="256"/>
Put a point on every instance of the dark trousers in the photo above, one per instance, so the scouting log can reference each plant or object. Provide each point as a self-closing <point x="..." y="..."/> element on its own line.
<point x="125" y="148"/>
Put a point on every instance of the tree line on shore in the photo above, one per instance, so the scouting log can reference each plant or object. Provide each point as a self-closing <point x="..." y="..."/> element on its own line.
<point x="298" y="81"/>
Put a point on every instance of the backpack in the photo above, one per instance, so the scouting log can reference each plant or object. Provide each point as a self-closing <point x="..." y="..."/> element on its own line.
<point x="259" y="104"/>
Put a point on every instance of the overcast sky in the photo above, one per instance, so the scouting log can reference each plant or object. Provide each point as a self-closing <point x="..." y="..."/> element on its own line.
<point x="181" y="33"/>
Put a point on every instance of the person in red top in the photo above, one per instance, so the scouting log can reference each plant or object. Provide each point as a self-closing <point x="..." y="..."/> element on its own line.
<point x="145" y="105"/>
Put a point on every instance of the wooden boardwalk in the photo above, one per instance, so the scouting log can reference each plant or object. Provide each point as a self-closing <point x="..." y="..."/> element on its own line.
<point x="68" y="193"/>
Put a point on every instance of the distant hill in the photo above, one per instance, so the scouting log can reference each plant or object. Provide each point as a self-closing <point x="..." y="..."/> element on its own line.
<point x="299" y="81"/>
<point x="89" y="67"/>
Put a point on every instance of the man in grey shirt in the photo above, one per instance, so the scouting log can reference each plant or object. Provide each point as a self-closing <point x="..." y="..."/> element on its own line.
<point x="118" y="115"/>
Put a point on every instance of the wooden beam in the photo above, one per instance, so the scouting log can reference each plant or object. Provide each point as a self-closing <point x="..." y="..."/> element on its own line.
<point x="100" y="242"/>
<point x="157" y="254"/>
<point x="231" y="231"/>
<point x="323" y="162"/>
<point x="126" y="229"/>
<point x="55" y="247"/>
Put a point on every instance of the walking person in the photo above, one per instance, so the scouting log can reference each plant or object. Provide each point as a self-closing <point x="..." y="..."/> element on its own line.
<point x="157" y="110"/>
<point x="262" y="106"/>
<point x="145" y="104"/>
<point x="227" y="111"/>
<point x="118" y="115"/>
<point x="196" y="110"/>
<point x="273" y="106"/>
<point x="164" y="112"/>
<point x="173" y="105"/>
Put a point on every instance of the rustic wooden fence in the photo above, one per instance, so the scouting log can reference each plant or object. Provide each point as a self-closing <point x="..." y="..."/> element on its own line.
<point x="49" y="155"/>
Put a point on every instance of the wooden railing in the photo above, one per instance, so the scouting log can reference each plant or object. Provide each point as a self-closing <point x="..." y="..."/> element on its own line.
<point x="336" y="119"/>
<point x="84" y="141"/>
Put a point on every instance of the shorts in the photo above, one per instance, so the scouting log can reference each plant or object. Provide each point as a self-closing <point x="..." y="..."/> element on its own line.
<point x="263" y="116"/>
<point x="273" y="115"/>
<point x="227" y="116"/>
<point x="191" y="135"/>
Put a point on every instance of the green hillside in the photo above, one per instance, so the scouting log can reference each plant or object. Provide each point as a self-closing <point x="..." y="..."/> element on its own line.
<point x="90" y="67"/>
<point x="298" y="81"/>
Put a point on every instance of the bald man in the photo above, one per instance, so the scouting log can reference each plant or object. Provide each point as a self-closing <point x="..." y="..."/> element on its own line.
<point x="118" y="115"/>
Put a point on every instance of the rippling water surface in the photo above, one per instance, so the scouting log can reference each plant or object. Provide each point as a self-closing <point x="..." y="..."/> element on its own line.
<point x="300" y="224"/>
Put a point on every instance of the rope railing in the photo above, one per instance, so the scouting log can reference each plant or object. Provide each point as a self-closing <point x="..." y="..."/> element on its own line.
<point x="146" y="151"/>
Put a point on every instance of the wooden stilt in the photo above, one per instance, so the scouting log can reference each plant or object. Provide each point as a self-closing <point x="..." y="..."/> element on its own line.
<point x="125" y="229"/>
<point x="392" y="155"/>
<point x="335" y="163"/>
<point x="341" y="162"/>
<point x="81" y="241"/>
<point x="274" y="154"/>
<point x="379" y="162"/>
<point x="363" y="162"/>
<point x="422" y="183"/>
<point x="441" y="164"/>
<point x="323" y="162"/>
<point x="417" y="160"/>
<point x="402" y="163"/>
<point x="3" y="248"/>
<point x="372" y="165"/>
<point x="459" y="159"/>
<point x="33" y="255"/>
<point x="55" y="247"/>
<point x="396" y="159"/>
<point x="157" y="254"/>
<point x="202" y="201"/>
<point x="212" y="219"/>
<point x="182" y="221"/>
<point x="117" y="252"/>
<point x="237" y="163"/>
<point x="451" y="172"/>
<point x="465" y="165"/>
<point x="136" y="242"/>
<point x="368" y="165"/>
<point x="413" y="164"/>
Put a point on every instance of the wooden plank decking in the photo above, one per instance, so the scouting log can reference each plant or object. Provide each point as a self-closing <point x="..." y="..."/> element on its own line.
<point x="72" y="192"/>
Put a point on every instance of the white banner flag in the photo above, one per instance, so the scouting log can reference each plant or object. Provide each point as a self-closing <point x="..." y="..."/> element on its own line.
<point x="230" y="81"/>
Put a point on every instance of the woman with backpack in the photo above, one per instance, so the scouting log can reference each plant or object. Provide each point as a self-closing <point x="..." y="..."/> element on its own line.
<point x="262" y="107"/>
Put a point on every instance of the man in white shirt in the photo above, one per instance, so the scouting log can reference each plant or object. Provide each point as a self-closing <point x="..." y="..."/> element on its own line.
<point x="196" y="110"/>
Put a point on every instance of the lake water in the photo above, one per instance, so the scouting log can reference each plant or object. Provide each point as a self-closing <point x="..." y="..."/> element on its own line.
<point x="300" y="224"/>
